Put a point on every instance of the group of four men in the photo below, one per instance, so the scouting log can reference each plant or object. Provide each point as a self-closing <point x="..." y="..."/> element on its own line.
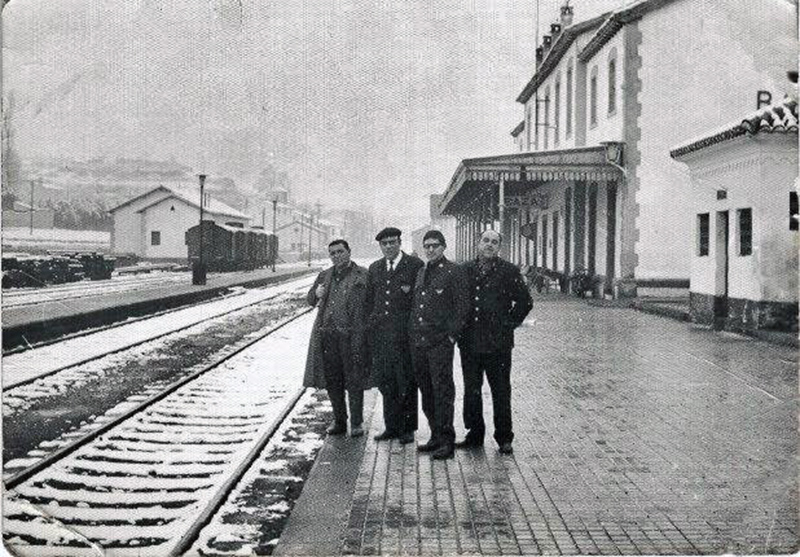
<point x="395" y="326"/>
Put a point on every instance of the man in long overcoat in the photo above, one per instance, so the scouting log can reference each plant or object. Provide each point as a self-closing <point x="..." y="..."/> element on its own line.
<point x="336" y="356"/>
<point x="437" y="318"/>
<point x="501" y="302"/>
<point x="390" y="290"/>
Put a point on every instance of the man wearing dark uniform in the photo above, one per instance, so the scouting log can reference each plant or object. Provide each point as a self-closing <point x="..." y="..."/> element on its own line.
<point x="439" y="310"/>
<point x="500" y="304"/>
<point x="390" y="290"/>
<point x="336" y="359"/>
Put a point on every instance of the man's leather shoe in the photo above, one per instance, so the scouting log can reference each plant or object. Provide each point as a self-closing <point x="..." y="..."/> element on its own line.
<point x="406" y="438"/>
<point x="336" y="429"/>
<point x="444" y="452"/>
<point x="469" y="442"/>
<point x="386" y="435"/>
<point x="506" y="448"/>
<point x="428" y="447"/>
<point x="356" y="431"/>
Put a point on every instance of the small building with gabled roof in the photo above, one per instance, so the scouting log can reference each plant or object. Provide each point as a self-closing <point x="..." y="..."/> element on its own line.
<point x="744" y="203"/>
<point x="153" y="225"/>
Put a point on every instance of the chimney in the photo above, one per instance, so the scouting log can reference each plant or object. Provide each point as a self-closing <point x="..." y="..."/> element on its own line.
<point x="567" y="12"/>
<point x="555" y="29"/>
<point x="539" y="56"/>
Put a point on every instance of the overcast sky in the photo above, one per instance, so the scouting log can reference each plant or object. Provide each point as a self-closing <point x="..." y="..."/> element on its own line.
<point x="370" y="102"/>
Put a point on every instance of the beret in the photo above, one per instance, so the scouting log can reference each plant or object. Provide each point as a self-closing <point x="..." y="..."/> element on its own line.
<point x="388" y="233"/>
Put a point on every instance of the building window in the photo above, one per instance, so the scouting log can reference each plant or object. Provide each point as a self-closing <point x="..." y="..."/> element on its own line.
<point x="745" y="229"/>
<point x="155" y="238"/>
<point x="612" y="84"/>
<point x="546" y="117"/>
<point x="703" y="231"/>
<point x="593" y="97"/>
<point x="556" y="112"/>
<point x="569" y="101"/>
<point x="793" y="211"/>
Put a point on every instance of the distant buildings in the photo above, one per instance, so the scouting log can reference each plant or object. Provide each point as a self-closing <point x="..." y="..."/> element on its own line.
<point x="153" y="225"/>
<point x="594" y="188"/>
<point x="744" y="201"/>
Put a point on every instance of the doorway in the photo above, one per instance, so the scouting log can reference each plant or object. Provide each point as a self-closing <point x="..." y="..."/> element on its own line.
<point x="721" y="274"/>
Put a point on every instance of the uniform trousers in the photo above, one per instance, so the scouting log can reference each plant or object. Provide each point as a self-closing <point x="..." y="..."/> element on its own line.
<point x="398" y="388"/>
<point x="497" y="366"/>
<point x="337" y="362"/>
<point x="433" y="368"/>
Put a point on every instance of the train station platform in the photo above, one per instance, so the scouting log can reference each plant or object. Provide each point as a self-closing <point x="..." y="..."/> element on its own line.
<point x="49" y="319"/>
<point x="634" y="435"/>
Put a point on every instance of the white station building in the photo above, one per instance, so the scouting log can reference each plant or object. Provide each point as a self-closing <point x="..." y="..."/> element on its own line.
<point x="592" y="187"/>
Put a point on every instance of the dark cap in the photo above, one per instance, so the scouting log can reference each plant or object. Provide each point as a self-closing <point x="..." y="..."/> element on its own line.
<point x="388" y="233"/>
<point x="436" y="235"/>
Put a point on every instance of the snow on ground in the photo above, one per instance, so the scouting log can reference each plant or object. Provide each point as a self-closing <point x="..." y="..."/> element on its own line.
<point x="58" y="234"/>
<point x="24" y="366"/>
<point x="253" y="386"/>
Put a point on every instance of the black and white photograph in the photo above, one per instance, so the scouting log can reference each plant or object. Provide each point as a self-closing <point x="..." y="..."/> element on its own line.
<point x="412" y="277"/>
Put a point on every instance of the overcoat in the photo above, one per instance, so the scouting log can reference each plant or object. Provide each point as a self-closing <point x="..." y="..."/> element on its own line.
<point x="355" y="286"/>
<point x="389" y="297"/>
<point x="500" y="302"/>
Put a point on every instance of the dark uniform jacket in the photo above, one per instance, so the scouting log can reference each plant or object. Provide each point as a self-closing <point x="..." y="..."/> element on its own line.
<point x="500" y="301"/>
<point x="440" y="304"/>
<point x="388" y="308"/>
<point x="353" y="288"/>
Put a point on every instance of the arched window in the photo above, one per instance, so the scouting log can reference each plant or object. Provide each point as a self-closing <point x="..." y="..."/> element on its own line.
<point x="557" y="110"/>
<point x="593" y="97"/>
<point x="569" y="100"/>
<point x="546" y="126"/>
<point x="612" y="83"/>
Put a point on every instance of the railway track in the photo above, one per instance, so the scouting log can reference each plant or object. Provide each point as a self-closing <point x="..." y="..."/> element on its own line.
<point x="84" y="289"/>
<point x="22" y="368"/>
<point x="146" y="481"/>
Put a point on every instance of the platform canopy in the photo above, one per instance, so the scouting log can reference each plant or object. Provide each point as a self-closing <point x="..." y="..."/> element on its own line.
<point x="476" y="180"/>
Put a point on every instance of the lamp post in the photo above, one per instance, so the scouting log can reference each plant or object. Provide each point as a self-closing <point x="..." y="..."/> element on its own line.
<point x="274" y="228"/>
<point x="199" y="269"/>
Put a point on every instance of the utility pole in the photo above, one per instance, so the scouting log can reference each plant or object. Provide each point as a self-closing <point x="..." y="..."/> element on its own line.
<point x="30" y="210"/>
<point x="274" y="232"/>
<point x="310" y="230"/>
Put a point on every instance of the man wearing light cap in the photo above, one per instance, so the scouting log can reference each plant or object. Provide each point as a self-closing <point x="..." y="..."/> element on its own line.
<point x="439" y="311"/>
<point x="390" y="290"/>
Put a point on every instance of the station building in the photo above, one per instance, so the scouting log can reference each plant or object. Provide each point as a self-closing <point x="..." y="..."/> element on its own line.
<point x="592" y="187"/>
<point x="153" y="225"/>
<point x="744" y="200"/>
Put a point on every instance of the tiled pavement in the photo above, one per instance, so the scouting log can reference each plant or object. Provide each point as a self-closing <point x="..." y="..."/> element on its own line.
<point x="634" y="434"/>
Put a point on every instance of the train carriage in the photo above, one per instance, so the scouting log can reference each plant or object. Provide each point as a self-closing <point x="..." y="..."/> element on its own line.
<point x="231" y="248"/>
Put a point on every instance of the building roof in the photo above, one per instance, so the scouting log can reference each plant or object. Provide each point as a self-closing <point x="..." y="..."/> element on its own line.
<point x="190" y="196"/>
<point x="615" y="22"/>
<point x="522" y="173"/>
<point x="606" y="26"/>
<point x="781" y="118"/>
<point x="556" y="52"/>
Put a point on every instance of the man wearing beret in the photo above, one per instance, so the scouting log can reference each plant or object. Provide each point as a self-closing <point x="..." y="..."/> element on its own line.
<point x="390" y="289"/>
<point x="437" y="318"/>
<point x="500" y="303"/>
